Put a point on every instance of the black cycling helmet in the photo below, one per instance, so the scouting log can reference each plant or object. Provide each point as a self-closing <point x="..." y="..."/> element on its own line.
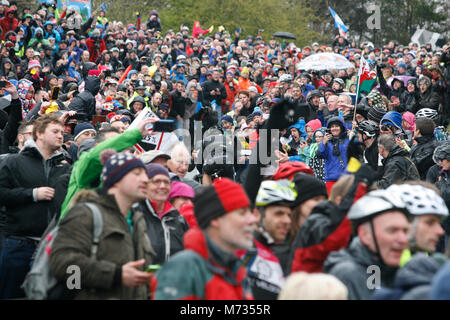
<point x="368" y="128"/>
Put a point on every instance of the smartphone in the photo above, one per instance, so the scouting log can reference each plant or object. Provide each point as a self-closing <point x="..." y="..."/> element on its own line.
<point x="164" y="126"/>
<point x="328" y="131"/>
<point x="322" y="100"/>
<point x="239" y="30"/>
<point x="103" y="7"/>
<point x="153" y="268"/>
<point x="55" y="93"/>
<point x="3" y="83"/>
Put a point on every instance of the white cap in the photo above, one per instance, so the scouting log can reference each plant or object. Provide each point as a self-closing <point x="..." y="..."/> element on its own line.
<point x="253" y="89"/>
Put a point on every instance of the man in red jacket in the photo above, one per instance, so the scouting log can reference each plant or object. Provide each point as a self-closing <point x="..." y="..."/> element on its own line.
<point x="96" y="45"/>
<point x="8" y="22"/>
<point x="208" y="268"/>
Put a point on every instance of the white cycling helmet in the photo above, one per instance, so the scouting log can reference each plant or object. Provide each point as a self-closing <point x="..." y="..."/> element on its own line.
<point x="420" y="200"/>
<point x="280" y="192"/>
<point x="374" y="203"/>
<point x="286" y="78"/>
<point x="427" y="113"/>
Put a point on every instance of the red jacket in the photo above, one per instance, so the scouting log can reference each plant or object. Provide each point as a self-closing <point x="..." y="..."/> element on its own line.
<point x="94" y="54"/>
<point x="8" y="24"/>
<point x="231" y="94"/>
<point x="197" y="30"/>
<point x="327" y="229"/>
<point x="196" y="275"/>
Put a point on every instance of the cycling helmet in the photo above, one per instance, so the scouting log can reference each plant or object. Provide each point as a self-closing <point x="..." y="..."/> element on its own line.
<point x="286" y="78"/>
<point x="420" y="200"/>
<point x="427" y="113"/>
<point x="281" y="192"/>
<point x="287" y="170"/>
<point x="442" y="152"/>
<point x="375" y="203"/>
<point x="340" y="81"/>
<point x="368" y="128"/>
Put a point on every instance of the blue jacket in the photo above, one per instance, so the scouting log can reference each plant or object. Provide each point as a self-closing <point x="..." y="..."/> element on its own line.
<point x="333" y="166"/>
<point x="306" y="89"/>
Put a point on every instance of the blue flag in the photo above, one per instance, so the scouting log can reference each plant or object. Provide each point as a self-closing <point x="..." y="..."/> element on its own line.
<point x="338" y="23"/>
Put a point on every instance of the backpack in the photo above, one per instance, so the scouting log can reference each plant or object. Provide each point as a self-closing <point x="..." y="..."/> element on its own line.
<point x="39" y="283"/>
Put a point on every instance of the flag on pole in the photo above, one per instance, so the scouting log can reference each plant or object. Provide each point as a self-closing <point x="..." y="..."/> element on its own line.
<point x="366" y="76"/>
<point x="338" y="23"/>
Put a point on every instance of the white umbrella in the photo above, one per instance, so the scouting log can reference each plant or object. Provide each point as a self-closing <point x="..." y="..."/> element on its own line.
<point x="324" y="61"/>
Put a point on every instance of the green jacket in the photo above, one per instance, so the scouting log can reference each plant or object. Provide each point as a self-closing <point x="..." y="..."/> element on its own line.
<point x="87" y="168"/>
<point x="100" y="277"/>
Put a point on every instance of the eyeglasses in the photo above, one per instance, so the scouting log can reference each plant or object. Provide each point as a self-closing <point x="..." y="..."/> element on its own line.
<point x="160" y="181"/>
<point x="319" y="136"/>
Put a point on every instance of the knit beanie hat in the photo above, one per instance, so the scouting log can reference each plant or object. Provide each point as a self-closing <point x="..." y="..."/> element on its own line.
<point x="81" y="128"/>
<point x="376" y="114"/>
<point x="227" y="119"/>
<point x="180" y="189"/>
<point x="376" y="98"/>
<point x="307" y="187"/>
<point x="34" y="64"/>
<point x="153" y="169"/>
<point x="116" y="166"/>
<point x="216" y="200"/>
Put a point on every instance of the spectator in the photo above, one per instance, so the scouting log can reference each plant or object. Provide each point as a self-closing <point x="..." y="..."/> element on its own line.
<point x="119" y="274"/>
<point x="28" y="191"/>
<point x="223" y="229"/>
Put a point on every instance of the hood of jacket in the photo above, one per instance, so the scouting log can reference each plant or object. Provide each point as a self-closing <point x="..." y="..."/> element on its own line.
<point x="30" y="148"/>
<point x="92" y="85"/>
<point x="358" y="253"/>
<point x="418" y="271"/>
<point x="300" y="126"/>
<point x="398" y="151"/>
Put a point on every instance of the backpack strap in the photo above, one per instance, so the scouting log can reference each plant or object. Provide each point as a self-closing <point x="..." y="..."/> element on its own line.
<point x="98" y="228"/>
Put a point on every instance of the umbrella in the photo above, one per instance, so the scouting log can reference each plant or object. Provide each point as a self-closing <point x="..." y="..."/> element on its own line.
<point x="284" y="35"/>
<point x="404" y="79"/>
<point x="324" y="61"/>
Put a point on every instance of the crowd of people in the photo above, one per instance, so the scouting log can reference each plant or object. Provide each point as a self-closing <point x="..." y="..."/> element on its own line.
<point x="357" y="181"/>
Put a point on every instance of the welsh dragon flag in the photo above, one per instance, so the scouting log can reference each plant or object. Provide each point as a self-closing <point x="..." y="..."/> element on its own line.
<point x="366" y="76"/>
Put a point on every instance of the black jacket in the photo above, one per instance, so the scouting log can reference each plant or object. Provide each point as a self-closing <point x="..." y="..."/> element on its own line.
<point x="211" y="85"/>
<point x="407" y="100"/>
<point x="166" y="234"/>
<point x="397" y="167"/>
<point x="306" y="110"/>
<point x="351" y="267"/>
<point x="178" y="104"/>
<point x="371" y="155"/>
<point x="19" y="175"/>
<point x="422" y="154"/>
<point x="9" y="133"/>
<point x="84" y="103"/>
<point x="413" y="281"/>
<point x="428" y="99"/>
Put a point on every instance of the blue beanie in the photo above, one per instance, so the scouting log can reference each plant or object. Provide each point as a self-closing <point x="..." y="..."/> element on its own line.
<point x="226" y="118"/>
<point x="117" y="166"/>
<point x="153" y="169"/>
<point x="81" y="128"/>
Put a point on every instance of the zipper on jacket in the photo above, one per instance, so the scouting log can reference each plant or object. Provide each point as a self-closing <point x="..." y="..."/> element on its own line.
<point x="165" y="229"/>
